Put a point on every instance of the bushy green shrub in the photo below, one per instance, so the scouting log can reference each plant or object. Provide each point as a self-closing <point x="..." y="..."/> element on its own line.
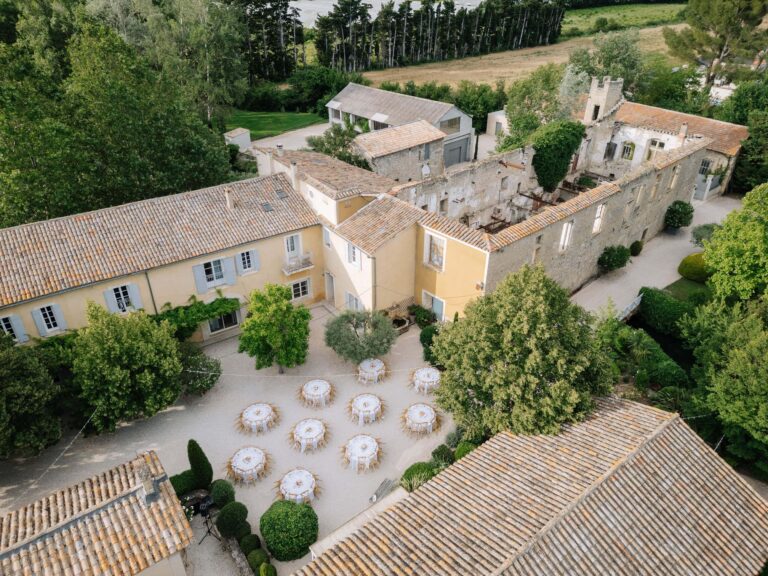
<point x="357" y="335"/>
<point x="199" y="464"/>
<point x="636" y="247"/>
<point x="230" y="519"/>
<point x="662" y="311"/>
<point x="243" y="529"/>
<point x="183" y="483"/>
<point x="222" y="493"/>
<point x="443" y="455"/>
<point x="423" y="317"/>
<point x="692" y="267"/>
<point x="703" y="233"/>
<point x="613" y="258"/>
<point x="664" y="372"/>
<point x="289" y="529"/>
<point x="463" y="449"/>
<point x="671" y="398"/>
<point x="416" y="474"/>
<point x="427" y="335"/>
<point x="249" y="543"/>
<point x="454" y="437"/>
<point x="679" y="214"/>
<point x="257" y="558"/>
<point x="201" y="372"/>
<point x="642" y="379"/>
<point x="267" y="570"/>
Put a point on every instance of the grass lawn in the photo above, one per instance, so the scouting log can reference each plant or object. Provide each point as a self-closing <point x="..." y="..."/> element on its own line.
<point x="684" y="289"/>
<point x="266" y="124"/>
<point x="580" y="21"/>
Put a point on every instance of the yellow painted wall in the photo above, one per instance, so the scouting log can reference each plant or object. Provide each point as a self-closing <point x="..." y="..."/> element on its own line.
<point x="175" y="283"/>
<point x="345" y="208"/>
<point x="456" y="285"/>
<point x="395" y="272"/>
<point x="347" y="277"/>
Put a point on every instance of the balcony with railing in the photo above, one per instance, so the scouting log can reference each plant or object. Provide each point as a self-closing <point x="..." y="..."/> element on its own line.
<point x="298" y="263"/>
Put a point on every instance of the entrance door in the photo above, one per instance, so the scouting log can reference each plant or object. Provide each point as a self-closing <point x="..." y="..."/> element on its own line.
<point x="456" y="152"/>
<point x="292" y="247"/>
<point x="330" y="288"/>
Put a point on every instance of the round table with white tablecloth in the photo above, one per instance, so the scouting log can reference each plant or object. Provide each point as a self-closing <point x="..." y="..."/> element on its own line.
<point x="365" y="408"/>
<point x="425" y="380"/>
<point x="258" y="417"/>
<point x="248" y="464"/>
<point x="371" y="371"/>
<point x="361" y="452"/>
<point x="317" y="393"/>
<point x="298" y="486"/>
<point x="309" y="434"/>
<point x="420" y="419"/>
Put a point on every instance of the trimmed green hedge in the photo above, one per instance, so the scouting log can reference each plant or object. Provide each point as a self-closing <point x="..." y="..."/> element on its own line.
<point x="243" y="529"/>
<point x="692" y="267"/>
<point x="267" y="570"/>
<point x="231" y="518"/>
<point x="249" y="543"/>
<point x="613" y="258"/>
<point x="183" y="483"/>
<point x="199" y="464"/>
<point x="256" y="559"/>
<point x="443" y="455"/>
<point x="679" y="214"/>
<point x="662" y="311"/>
<point x="426" y="337"/>
<point x="636" y="247"/>
<point x="289" y="529"/>
<point x="417" y="474"/>
<point x="222" y="493"/>
<point x="463" y="449"/>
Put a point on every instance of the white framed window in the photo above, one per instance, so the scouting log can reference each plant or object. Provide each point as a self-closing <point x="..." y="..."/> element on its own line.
<point x="434" y="251"/>
<point x="433" y="303"/>
<point x="627" y="151"/>
<point x="565" y="236"/>
<point x="7" y="327"/>
<point x="49" y="318"/>
<point x="292" y="245"/>
<point x="353" y="255"/>
<point x="326" y="237"/>
<point x="229" y="320"/>
<point x="122" y="298"/>
<point x="654" y="146"/>
<point x="213" y="271"/>
<point x="599" y="217"/>
<point x="352" y="302"/>
<point x="246" y="261"/>
<point x="300" y="289"/>
<point x="704" y="167"/>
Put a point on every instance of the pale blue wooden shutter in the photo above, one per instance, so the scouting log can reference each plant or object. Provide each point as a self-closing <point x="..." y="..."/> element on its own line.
<point x="109" y="297"/>
<point x="228" y="267"/>
<point x="37" y="316"/>
<point x="18" y="328"/>
<point x="255" y="261"/>
<point x="134" y="294"/>
<point x="200" y="282"/>
<point x="239" y="264"/>
<point x="59" y="316"/>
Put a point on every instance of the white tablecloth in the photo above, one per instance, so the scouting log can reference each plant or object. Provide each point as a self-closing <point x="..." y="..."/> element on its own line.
<point x="248" y="463"/>
<point x="420" y="418"/>
<point x="362" y="451"/>
<point x="298" y="486"/>
<point x="426" y="379"/>
<point x="258" y="417"/>
<point x="316" y="392"/>
<point x="371" y="371"/>
<point x="366" y="408"/>
<point x="309" y="434"/>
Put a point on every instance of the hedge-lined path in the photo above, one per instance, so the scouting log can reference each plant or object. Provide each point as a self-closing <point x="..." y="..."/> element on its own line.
<point x="211" y="421"/>
<point x="657" y="264"/>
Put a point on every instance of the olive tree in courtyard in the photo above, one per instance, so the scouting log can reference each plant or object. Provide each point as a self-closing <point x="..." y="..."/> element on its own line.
<point x="275" y="331"/>
<point x="523" y="359"/>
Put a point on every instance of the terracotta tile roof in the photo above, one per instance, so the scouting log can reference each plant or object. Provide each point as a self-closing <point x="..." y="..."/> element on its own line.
<point x="454" y="229"/>
<point x="726" y="137"/>
<point x="390" y="107"/>
<point x="335" y="178"/>
<point x="107" y="524"/>
<point x="631" y="490"/>
<point x="46" y="257"/>
<point x="383" y="142"/>
<point x="378" y="222"/>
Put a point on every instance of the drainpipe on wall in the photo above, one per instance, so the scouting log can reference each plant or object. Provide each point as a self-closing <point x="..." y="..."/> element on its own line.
<point x="373" y="283"/>
<point x="151" y="292"/>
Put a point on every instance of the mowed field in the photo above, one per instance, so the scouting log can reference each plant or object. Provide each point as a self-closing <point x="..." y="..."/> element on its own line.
<point x="508" y="66"/>
<point x="626" y="16"/>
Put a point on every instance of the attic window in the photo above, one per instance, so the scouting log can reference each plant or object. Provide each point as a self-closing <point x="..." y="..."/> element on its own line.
<point x="281" y="194"/>
<point x="267" y="207"/>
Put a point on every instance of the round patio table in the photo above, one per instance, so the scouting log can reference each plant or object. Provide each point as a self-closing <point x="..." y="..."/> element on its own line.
<point x="298" y="486"/>
<point x="248" y="464"/>
<point x="371" y="371"/>
<point x="366" y="408"/>
<point x="258" y="417"/>
<point x="362" y="452"/>
<point x="420" y="418"/>
<point x="425" y="380"/>
<point x="316" y="393"/>
<point x="309" y="434"/>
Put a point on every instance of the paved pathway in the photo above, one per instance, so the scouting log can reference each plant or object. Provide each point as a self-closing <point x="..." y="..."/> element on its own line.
<point x="293" y="139"/>
<point x="657" y="264"/>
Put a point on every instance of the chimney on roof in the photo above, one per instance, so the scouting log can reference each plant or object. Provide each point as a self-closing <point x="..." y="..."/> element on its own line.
<point x="294" y="177"/>
<point x="279" y="149"/>
<point x="148" y="486"/>
<point x="683" y="132"/>
<point x="228" y="198"/>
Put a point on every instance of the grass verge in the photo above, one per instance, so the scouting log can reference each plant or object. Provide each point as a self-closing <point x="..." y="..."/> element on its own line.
<point x="684" y="290"/>
<point x="266" y="124"/>
<point x="583" y="21"/>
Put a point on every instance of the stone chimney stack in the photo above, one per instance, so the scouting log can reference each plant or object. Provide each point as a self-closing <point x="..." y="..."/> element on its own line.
<point x="280" y="150"/>
<point x="228" y="198"/>
<point x="294" y="177"/>
<point x="683" y="132"/>
<point x="604" y="95"/>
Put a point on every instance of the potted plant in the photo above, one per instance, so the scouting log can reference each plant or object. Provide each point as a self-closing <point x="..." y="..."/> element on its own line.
<point x="401" y="324"/>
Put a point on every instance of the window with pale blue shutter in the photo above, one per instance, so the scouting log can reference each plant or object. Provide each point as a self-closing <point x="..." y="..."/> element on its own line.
<point x="201" y="283"/>
<point x="255" y="260"/>
<point x="248" y="261"/>
<point x="13" y="327"/>
<point x="134" y="295"/>
<point x="228" y="266"/>
<point x="49" y="319"/>
<point x="111" y="300"/>
<point x="37" y="317"/>
<point x="60" y="320"/>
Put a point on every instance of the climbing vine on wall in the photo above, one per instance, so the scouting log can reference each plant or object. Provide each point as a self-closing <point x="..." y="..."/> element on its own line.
<point x="186" y="319"/>
<point x="555" y="144"/>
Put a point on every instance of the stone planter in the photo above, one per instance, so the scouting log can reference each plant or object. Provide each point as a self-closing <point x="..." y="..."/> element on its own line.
<point x="401" y="325"/>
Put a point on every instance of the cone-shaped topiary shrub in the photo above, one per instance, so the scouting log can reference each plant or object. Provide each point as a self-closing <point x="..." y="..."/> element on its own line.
<point x="199" y="464"/>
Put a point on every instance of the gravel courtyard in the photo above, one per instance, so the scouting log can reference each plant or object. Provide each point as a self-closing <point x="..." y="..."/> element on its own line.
<point x="211" y="420"/>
